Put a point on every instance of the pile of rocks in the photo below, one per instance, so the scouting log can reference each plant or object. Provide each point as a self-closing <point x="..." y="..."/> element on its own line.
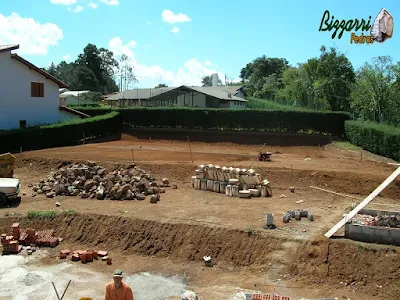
<point x="93" y="181"/>
<point x="233" y="182"/>
<point x="385" y="220"/>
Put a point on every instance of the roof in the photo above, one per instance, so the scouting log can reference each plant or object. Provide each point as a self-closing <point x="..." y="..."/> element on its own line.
<point x="140" y="93"/>
<point x="220" y="92"/>
<point x="40" y="71"/>
<point x="4" y="48"/>
<point x="72" y="93"/>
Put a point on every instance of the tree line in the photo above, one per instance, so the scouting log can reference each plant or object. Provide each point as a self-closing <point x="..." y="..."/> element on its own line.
<point x="329" y="82"/>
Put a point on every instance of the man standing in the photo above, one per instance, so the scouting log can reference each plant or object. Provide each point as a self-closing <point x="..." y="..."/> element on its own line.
<point x="118" y="290"/>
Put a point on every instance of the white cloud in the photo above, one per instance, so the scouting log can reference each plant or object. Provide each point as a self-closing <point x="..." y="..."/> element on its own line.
<point x="148" y="22"/>
<point x="33" y="37"/>
<point x="208" y="63"/>
<point x="66" y="57"/>
<point x="92" y="5"/>
<point x="77" y="9"/>
<point x="171" y="18"/>
<point x="175" y="29"/>
<point x="189" y="74"/>
<point x="118" y="48"/>
<point x="110" y="2"/>
<point x="63" y="2"/>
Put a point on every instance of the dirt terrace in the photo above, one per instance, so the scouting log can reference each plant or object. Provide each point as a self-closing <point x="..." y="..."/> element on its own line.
<point x="294" y="253"/>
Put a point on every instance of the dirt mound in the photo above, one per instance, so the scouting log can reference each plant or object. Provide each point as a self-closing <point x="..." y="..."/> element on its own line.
<point x="362" y="267"/>
<point x="181" y="241"/>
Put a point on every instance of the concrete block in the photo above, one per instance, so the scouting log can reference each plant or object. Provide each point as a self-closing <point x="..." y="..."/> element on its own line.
<point x="287" y="217"/>
<point x="297" y="215"/>
<point x="303" y="213"/>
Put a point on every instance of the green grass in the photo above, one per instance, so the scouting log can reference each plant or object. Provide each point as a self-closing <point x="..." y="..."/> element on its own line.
<point x="346" y="146"/>
<point x="35" y="214"/>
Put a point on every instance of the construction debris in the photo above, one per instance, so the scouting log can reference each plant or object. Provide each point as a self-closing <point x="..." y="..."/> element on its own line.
<point x="85" y="256"/>
<point x="93" y="181"/>
<point x="385" y="220"/>
<point x="297" y="215"/>
<point x="233" y="182"/>
<point x="29" y="237"/>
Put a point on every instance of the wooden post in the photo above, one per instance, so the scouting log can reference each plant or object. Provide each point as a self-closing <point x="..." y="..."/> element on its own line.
<point x="190" y="148"/>
<point x="133" y="158"/>
<point x="20" y="150"/>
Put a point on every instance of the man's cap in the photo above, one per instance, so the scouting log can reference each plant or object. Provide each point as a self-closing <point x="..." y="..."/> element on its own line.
<point x="118" y="273"/>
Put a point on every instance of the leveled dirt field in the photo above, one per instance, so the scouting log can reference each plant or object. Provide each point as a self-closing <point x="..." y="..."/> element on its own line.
<point x="173" y="235"/>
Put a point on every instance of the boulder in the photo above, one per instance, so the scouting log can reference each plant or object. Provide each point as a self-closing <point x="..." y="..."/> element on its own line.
<point x="129" y="195"/>
<point x="153" y="199"/>
<point x="50" y="194"/>
<point x="100" y="193"/>
<point x="140" y="196"/>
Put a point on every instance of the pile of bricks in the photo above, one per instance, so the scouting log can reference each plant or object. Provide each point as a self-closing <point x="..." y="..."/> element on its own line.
<point x="266" y="297"/>
<point x="28" y="237"/>
<point x="233" y="182"/>
<point x="85" y="256"/>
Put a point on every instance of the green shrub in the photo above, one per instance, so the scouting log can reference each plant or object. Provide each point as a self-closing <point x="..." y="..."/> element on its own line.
<point x="279" y="120"/>
<point x="377" y="138"/>
<point x="34" y="214"/>
<point x="59" y="134"/>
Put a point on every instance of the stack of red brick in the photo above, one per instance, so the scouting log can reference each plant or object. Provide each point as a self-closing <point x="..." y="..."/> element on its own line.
<point x="269" y="297"/>
<point x="27" y="237"/>
<point x="85" y="256"/>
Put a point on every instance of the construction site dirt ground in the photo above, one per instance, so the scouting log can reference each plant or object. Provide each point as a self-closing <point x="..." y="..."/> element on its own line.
<point x="173" y="235"/>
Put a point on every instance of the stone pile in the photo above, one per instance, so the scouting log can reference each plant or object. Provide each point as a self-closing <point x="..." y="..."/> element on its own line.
<point x="93" y="181"/>
<point x="233" y="182"/>
<point x="385" y="220"/>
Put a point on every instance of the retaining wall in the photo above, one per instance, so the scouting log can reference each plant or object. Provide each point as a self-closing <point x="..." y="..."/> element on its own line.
<point x="373" y="234"/>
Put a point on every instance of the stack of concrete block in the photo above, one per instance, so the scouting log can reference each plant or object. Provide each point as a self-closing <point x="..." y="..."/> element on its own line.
<point x="234" y="182"/>
<point x="297" y="215"/>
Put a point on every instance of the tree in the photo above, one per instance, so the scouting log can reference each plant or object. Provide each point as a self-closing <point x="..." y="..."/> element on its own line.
<point x="126" y="72"/>
<point x="161" y="85"/>
<point x="93" y="70"/>
<point x="263" y="76"/>
<point x="207" y="80"/>
<point x="335" y="76"/>
<point x="376" y="92"/>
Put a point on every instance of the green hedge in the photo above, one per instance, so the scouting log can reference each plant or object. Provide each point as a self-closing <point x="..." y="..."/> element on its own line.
<point x="223" y="119"/>
<point x="59" y="134"/>
<point x="377" y="138"/>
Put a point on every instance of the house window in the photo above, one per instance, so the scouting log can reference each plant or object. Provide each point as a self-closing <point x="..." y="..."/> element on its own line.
<point x="22" y="123"/>
<point x="37" y="89"/>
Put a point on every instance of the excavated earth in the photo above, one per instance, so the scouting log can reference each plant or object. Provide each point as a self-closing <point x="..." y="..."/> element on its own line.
<point x="175" y="233"/>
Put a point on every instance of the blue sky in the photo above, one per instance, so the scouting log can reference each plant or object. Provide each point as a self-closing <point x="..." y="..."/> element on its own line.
<point x="209" y="36"/>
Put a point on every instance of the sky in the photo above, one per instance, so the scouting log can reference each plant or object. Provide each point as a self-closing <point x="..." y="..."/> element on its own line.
<point x="178" y="42"/>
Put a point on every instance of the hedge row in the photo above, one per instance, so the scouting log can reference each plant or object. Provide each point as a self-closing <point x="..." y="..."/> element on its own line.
<point x="222" y="119"/>
<point x="59" y="134"/>
<point x="377" y="138"/>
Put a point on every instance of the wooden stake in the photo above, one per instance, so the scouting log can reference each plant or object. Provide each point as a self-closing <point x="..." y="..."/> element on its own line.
<point x="332" y="192"/>
<point x="190" y="148"/>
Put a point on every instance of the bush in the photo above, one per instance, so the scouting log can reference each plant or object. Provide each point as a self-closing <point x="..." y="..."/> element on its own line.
<point x="295" y="121"/>
<point x="377" y="138"/>
<point x="59" y="134"/>
<point x="34" y="214"/>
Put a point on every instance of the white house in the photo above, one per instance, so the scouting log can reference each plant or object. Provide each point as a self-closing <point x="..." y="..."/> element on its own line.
<point x="229" y="97"/>
<point x="73" y="98"/>
<point x="29" y="96"/>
